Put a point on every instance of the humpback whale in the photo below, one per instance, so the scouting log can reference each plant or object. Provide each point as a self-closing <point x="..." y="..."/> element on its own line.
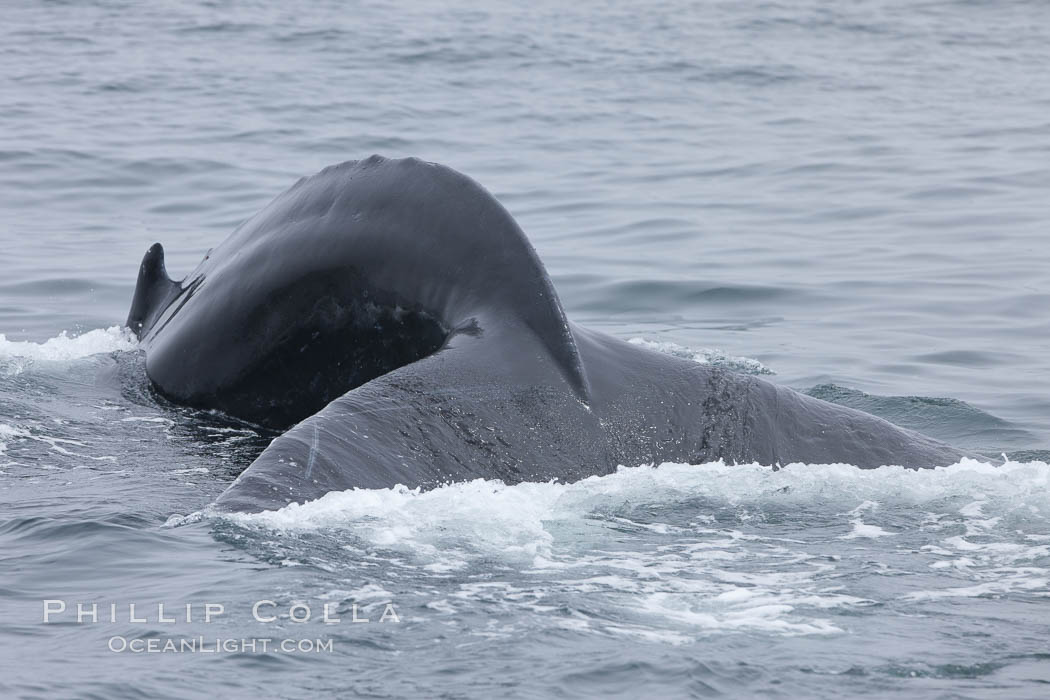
<point x="392" y="319"/>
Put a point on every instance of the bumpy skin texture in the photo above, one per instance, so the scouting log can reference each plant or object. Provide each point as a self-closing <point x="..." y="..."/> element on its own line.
<point x="393" y="316"/>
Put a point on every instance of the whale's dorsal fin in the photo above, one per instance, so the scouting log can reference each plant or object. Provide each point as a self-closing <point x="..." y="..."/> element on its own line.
<point x="154" y="291"/>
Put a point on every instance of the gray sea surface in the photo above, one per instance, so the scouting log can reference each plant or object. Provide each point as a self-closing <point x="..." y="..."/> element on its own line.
<point x="851" y="198"/>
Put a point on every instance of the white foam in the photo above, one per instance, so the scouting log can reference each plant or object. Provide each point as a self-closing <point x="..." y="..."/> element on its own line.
<point x="706" y="356"/>
<point x="999" y="587"/>
<point x="692" y="576"/>
<point x="485" y="514"/>
<point x="862" y="529"/>
<point x="18" y="356"/>
<point x="10" y="431"/>
<point x="518" y="513"/>
<point x="56" y="444"/>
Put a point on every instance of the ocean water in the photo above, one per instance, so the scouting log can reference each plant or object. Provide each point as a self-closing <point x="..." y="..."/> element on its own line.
<point x="849" y="198"/>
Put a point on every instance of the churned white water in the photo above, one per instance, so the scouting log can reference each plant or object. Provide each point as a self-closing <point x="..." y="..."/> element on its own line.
<point x="17" y="356"/>
<point x="716" y="561"/>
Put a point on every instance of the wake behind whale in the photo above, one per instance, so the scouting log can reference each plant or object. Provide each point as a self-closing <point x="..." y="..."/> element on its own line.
<point x="395" y="320"/>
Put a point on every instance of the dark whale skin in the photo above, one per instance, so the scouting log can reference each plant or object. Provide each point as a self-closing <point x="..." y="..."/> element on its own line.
<point x="394" y="320"/>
